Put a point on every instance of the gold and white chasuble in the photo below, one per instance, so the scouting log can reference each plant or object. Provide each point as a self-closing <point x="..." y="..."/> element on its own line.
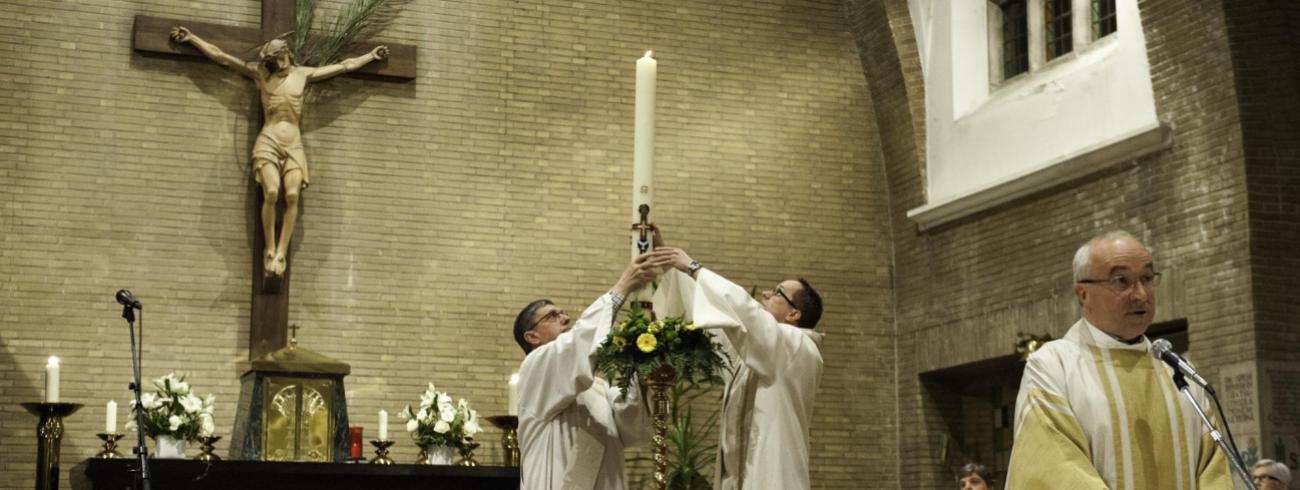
<point x="1096" y="413"/>
<point x="768" y="401"/>
<point x="573" y="426"/>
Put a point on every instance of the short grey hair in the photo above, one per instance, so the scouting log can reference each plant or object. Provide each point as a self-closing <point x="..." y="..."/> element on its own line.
<point x="974" y="468"/>
<point x="1279" y="470"/>
<point x="1083" y="257"/>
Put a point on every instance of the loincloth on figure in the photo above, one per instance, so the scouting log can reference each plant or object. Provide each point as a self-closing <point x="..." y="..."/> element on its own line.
<point x="286" y="156"/>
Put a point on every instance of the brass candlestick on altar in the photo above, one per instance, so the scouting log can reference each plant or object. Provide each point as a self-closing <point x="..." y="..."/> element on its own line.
<point x="110" y="445"/>
<point x="207" y="444"/>
<point x="509" y="425"/>
<point x="49" y="433"/>
<point x="381" y="452"/>
<point x="661" y="380"/>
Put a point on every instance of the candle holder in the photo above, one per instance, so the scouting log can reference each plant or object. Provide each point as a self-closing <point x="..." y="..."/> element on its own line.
<point x="661" y="380"/>
<point x="206" y="445"/>
<point x="49" y="433"/>
<point x="509" y="425"/>
<point x="381" y="452"/>
<point x="355" y="451"/>
<point x="110" y="445"/>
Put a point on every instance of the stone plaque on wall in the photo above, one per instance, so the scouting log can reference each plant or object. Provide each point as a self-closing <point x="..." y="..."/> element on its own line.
<point x="1238" y="389"/>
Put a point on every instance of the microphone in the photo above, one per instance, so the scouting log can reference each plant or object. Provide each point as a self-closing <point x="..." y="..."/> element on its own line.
<point x="127" y="299"/>
<point x="1161" y="349"/>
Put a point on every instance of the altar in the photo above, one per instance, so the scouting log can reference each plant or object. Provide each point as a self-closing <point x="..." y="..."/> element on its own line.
<point x="178" y="474"/>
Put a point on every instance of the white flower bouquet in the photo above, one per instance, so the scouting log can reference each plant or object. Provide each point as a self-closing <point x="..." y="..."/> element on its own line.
<point x="175" y="411"/>
<point x="439" y="422"/>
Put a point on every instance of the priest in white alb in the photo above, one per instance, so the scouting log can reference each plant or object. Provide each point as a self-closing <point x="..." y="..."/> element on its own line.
<point x="573" y="426"/>
<point x="1095" y="410"/>
<point x="767" y="405"/>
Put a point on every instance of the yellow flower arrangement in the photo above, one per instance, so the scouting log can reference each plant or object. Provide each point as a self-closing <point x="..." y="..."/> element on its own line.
<point x="646" y="342"/>
<point x="640" y="344"/>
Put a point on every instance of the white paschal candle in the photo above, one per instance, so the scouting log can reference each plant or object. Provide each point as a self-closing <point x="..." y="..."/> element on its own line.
<point x="110" y="417"/>
<point x="52" y="380"/>
<point x="643" y="141"/>
<point x="512" y="403"/>
<point x="383" y="425"/>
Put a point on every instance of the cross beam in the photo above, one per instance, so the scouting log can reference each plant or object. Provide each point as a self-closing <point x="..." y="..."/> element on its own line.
<point x="152" y="36"/>
<point x="269" y="312"/>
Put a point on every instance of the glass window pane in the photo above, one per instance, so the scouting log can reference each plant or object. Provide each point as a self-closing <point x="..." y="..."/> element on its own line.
<point x="1104" y="19"/>
<point x="1060" y="39"/>
<point x="1015" y="38"/>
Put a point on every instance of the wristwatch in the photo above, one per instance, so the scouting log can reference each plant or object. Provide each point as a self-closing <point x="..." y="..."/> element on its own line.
<point x="693" y="267"/>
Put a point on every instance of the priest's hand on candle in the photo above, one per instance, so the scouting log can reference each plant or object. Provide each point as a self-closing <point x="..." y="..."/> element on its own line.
<point x="672" y="256"/>
<point x="643" y="270"/>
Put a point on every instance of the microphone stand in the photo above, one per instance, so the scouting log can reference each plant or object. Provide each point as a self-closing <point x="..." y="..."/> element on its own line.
<point x="142" y="477"/>
<point x="1234" y="459"/>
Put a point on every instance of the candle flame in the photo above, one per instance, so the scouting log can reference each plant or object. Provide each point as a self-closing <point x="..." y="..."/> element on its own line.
<point x="514" y="378"/>
<point x="648" y="53"/>
<point x="54" y="361"/>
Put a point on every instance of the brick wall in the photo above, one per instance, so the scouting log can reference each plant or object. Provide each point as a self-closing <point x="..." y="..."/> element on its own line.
<point x="438" y="207"/>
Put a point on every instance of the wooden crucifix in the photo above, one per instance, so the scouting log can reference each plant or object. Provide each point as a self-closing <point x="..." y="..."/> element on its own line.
<point x="282" y="86"/>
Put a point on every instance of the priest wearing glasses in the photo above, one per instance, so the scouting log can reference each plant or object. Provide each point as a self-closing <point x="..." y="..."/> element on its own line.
<point x="776" y="366"/>
<point x="1095" y="410"/>
<point x="573" y="426"/>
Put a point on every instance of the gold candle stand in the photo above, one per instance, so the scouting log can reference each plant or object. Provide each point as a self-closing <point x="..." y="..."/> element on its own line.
<point x="381" y="452"/>
<point x="110" y="445"/>
<point x="49" y="433"/>
<point x="661" y="380"/>
<point x="509" y="425"/>
<point x="207" y="444"/>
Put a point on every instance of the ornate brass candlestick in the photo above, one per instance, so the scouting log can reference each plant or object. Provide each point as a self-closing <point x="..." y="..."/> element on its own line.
<point x="110" y="445"/>
<point x="509" y="425"/>
<point x="206" y="446"/>
<point x="381" y="452"/>
<point x="49" y="433"/>
<point x="661" y="380"/>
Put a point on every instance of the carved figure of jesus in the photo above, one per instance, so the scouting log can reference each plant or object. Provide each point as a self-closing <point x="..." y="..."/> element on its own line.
<point x="279" y="162"/>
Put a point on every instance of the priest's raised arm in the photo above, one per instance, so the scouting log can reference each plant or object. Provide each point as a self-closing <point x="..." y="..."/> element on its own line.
<point x="573" y="426"/>
<point x="768" y="403"/>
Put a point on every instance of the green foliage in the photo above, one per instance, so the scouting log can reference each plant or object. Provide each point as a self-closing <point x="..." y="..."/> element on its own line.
<point x="640" y="345"/>
<point x="353" y="24"/>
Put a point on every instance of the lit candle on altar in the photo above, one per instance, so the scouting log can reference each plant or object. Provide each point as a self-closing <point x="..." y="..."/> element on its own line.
<point x="643" y="141"/>
<point x="110" y="417"/>
<point x="52" y="380"/>
<point x="512" y="403"/>
<point x="383" y="425"/>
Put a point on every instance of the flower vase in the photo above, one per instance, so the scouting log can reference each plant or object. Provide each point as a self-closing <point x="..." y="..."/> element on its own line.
<point x="168" y="447"/>
<point x="436" y="455"/>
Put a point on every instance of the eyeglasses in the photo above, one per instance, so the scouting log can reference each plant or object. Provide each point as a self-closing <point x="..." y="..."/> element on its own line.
<point x="781" y="293"/>
<point x="1120" y="283"/>
<point x="1265" y="477"/>
<point x="552" y="315"/>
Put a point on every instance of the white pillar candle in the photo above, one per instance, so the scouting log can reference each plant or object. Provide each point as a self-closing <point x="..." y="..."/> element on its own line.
<point x="512" y="403"/>
<point x="383" y="425"/>
<point x="643" y="141"/>
<point x="52" y="380"/>
<point x="110" y="417"/>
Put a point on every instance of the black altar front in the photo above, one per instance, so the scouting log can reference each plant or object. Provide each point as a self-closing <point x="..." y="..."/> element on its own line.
<point x="182" y="474"/>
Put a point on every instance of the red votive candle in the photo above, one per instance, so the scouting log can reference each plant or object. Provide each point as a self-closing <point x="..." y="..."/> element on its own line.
<point x="354" y="441"/>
